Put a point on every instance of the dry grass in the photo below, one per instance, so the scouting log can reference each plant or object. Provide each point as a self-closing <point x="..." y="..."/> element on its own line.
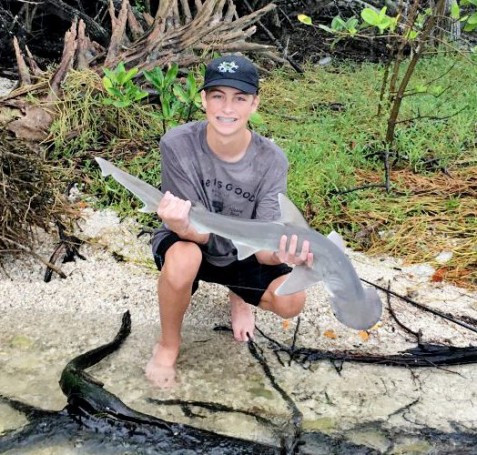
<point x="31" y="195"/>
<point x="425" y="216"/>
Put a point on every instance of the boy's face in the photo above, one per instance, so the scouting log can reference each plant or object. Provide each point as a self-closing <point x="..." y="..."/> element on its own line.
<point x="228" y="109"/>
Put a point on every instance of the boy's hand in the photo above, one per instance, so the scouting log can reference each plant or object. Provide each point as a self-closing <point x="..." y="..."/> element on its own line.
<point x="290" y="255"/>
<point x="174" y="212"/>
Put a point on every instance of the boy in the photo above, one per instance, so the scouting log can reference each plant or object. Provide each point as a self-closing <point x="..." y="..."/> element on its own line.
<point x="233" y="171"/>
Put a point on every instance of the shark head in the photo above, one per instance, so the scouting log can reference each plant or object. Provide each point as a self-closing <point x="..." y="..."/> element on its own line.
<point x="367" y="316"/>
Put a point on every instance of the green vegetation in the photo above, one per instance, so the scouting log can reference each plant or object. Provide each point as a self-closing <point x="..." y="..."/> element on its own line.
<point x="326" y="121"/>
<point x="177" y="103"/>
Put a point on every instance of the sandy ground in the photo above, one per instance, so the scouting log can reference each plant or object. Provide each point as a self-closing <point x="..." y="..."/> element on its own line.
<point x="6" y="85"/>
<point x="43" y="325"/>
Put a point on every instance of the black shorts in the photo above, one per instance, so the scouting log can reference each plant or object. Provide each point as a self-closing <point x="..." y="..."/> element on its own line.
<point x="248" y="278"/>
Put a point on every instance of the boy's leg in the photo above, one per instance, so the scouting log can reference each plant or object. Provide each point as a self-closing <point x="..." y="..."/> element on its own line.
<point x="181" y="264"/>
<point x="285" y="306"/>
<point x="243" y="318"/>
<point x="253" y="284"/>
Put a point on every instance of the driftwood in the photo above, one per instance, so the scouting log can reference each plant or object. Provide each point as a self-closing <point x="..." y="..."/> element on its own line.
<point x="175" y="34"/>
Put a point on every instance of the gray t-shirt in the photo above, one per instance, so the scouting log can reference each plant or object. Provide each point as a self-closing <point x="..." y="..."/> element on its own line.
<point x="247" y="188"/>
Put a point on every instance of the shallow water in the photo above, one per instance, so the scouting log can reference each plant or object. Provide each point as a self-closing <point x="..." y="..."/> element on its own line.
<point x="362" y="409"/>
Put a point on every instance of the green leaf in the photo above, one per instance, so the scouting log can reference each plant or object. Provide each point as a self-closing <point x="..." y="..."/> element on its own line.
<point x="472" y="19"/>
<point x="115" y="92"/>
<point x="171" y="74"/>
<point x="191" y="84"/>
<point x="338" y="24"/>
<point x="370" y="16"/>
<point x="120" y="72"/>
<point x="181" y="94"/>
<point x="393" y="22"/>
<point x="166" y="110"/>
<point x="156" y="78"/>
<point x="121" y="103"/>
<point x="109" y="74"/>
<point x="130" y="74"/>
<point x="470" y="27"/>
<point x="351" y="23"/>
<point x="304" y="19"/>
<point x="455" y="10"/>
<point x="140" y="95"/>
<point x="107" y="82"/>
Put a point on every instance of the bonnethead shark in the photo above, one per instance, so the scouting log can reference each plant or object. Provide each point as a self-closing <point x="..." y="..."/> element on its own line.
<point x="353" y="305"/>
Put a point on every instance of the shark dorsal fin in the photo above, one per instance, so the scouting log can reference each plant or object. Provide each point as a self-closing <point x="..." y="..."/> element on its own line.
<point x="289" y="212"/>
<point x="334" y="237"/>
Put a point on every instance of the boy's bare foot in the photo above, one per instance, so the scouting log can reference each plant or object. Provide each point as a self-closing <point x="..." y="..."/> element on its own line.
<point x="161" y="368"/>
<point x="243" y="318"/>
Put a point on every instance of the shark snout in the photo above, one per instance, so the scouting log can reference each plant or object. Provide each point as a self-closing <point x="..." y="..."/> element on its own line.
<point x="359" y="315"/>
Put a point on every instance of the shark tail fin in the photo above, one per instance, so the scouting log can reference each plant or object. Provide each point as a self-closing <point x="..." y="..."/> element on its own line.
<point x="105" y="166"/>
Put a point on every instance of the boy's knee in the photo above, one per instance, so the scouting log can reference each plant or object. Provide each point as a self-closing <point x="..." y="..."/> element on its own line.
<point x="181" y="264"/>
<point x="288" y="306"/>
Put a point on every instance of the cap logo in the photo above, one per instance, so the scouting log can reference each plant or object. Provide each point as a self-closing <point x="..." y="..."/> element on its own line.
<point x="227" y="67"/>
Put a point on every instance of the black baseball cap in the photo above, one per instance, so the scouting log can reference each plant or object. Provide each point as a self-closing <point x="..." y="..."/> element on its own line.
<point x="232" y="71"/>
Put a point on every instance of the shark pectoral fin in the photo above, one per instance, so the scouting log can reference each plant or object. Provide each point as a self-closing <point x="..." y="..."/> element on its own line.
<point x="290" y="213"/>
<point x="244" y="251"/>
<point x="335" y="238"/>
<point x="302" y="277"/>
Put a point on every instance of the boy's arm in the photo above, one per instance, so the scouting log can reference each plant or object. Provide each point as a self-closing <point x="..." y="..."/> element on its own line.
<point x="175" y="213"/>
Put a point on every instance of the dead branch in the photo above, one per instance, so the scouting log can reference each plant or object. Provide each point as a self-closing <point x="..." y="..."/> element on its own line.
<point x="174" y="35"/>
<point x="213" y="28"/>
<point x="119" y="26"/>
<point x="23" y="71"/>
<point x="66" y="63"/>
<point x="36" y="70"/>
<point x="82" y="47"/>
<point x="136" y="28"/>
